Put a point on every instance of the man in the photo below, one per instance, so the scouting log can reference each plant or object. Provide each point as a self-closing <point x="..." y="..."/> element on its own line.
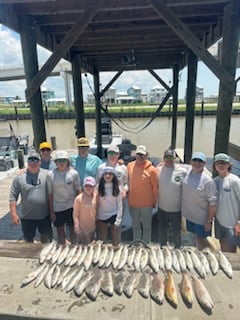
<point x="45" y="150"/>
<point x="85" y="163"/>
<point x="142" y="195"/>
<point x="199" y="199"/>
<point x="227" y="222"/>
<point x="32" y="187"/>
<point x="170" y="177"/>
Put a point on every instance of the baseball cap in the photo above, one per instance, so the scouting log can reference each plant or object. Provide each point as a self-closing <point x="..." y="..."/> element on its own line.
<point x="113" y="148"/>
<point x="141" y="149"/>
<point x="109" y="169"/>
<point x="169" y="153"/>
<point x="61" y="154"/>
<point x="199" y="155"/>
<point x="89" y="181"/>
<point x="83" y="142"/>
<point x="221" y="157"/>
<point x="34" y="154"/>
<point x="44" y="145"/>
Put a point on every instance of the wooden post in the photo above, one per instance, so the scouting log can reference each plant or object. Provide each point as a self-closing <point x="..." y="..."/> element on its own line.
<point x="175" y="105"/>
<point x="53" y="143"/>
<point x="231" y="32"/>
<point x="98" y="113"/>
<point x="78" y="95"/>
<point x="20" y="157"/>
<point x="29" y="52"/>
<point x="190" y="105"/>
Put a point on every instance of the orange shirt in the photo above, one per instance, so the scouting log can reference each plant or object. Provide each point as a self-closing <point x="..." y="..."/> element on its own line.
<point x="143" y="185"/>
<point x="84" y="212"/>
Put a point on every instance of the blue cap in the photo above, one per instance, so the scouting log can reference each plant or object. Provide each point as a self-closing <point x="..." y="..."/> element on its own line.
<point x="199" y="155"/>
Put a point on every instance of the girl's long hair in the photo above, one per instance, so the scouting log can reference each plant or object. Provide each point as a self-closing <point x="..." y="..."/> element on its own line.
<point x="101" y="186"/>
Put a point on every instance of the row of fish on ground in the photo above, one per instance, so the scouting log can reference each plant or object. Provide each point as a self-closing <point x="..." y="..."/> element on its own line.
<point x="137" y="256"/>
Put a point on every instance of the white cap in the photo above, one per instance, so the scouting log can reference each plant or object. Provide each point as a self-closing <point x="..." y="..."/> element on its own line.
<point x="61" y="154"/>
<point x="141" y="150"/>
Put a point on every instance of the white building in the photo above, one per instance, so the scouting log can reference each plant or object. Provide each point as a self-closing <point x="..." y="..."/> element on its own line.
<point x="157" y="94"/>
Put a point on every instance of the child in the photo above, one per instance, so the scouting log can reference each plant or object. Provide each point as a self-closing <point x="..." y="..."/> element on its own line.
<point x="84" y="211"/>
<point x="109" y="210"/>
<point x="63" y="186"/>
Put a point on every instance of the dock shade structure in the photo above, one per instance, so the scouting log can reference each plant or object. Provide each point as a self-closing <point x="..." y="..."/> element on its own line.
<point x="104" y="35"/>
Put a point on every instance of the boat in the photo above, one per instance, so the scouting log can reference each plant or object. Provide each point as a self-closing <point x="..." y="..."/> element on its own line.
<point x="108" y="138"/>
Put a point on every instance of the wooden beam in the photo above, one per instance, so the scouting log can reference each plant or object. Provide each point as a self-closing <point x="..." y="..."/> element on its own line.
<point x="193" y="42"/>
<point x="111" y="82"/>
<point x="156" y="76"/>
<point x="63" y="47"/>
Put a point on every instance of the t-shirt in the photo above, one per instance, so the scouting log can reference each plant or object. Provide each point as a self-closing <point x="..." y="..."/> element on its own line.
<point x="33" y="191"/>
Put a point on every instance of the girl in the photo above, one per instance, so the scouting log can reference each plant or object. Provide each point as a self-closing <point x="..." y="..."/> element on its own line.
<point x="84" y="211"/>
<point x="109" y="210"/>
<point x="63" y="186"/>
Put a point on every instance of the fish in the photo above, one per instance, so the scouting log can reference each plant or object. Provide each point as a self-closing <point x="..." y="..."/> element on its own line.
<point x="41" y="276"/>
<point x="188" y="260"/>
<point x="107" y="286"/>
<point x="88" y="258"/>
<point x="75" y="279"/>
<point x="153" y="260"/>
<point x="123" y="258"/>
<point x="119" y="282"/>
<point x="160" y="257"/>
<point x="157" y="288"/>
<point x="70" y="255"/>
<point x="170" y="290"/>
<point x="131" y="256"/>
<point x="63" y="254"/>
<point x="63" y="275"/>
<point x="51" y="252"/>
<point x="48" y="278"/>
<point x="82" y="256"/>
<point x="94" y="285"/>
<point x="68" y="277"/>
<point x="144" y="259"/>
<point x="116" y="257"/>
<point x="204" y="261"/>
<point x="103" y="256"/>
<point x="76" y="256"/>
<point x="225" y="264"/>
<point x="130" y="284"/>
<point x="109" y="257"/>
<point x="137" y="259"/>
<point x="56" y="254"/>
<point x="81" y="285"/>
<point x="97" y="251"/>
<point x="198" y="266"/>
<point x="45" y="251"/>
<point x="167" y="258"/>
<point x="202" y="294"/>
<point x="144" y="285"/>
<point x="33" y="275"/>
<point x="213" y="262"/>
<point x="185" y="288"/>
<point x="55" y="276"/>
<point x="175" y="262"/>
<point x="181" y="260"/>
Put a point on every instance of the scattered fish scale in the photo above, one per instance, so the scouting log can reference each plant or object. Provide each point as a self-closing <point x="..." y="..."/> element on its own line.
<point x="170" y="290"/>
<point x="119" y="281"/>
<point x="185" y="288"/>
<point x="225" y="264"/>
<point x="202" y="294"/>
<point x="144" y="284"/>
<point x="94" y="285"/>
<point x="107" y="284"/>
<point x="157" y="289"/>
<point x="167" y="258"/>
<point x="80" y="287"/>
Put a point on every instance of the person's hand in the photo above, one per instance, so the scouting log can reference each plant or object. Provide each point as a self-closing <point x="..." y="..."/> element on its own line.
<point x="116" y="227"/>
<point x="53" y="216"/>
<point x="20" y="172"/>
<point x="208" y="226"/>
<point x="15" y="219"/>
<point x="124" y="194"/>
<point x="237" y="229"/>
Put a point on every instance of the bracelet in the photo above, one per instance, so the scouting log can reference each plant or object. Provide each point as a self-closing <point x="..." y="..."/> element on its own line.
<point x="210" y="221"/>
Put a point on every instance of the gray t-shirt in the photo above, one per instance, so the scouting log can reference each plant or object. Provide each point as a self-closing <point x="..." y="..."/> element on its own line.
<point x="33" y="191"/>
<point x="199" y="191"/>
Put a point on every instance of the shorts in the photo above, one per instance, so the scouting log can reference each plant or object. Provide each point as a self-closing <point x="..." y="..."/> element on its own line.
<point x="29" y="227"/>
<point x="110" y="220"/>
<point x="198" y="229"/>
<point x="227" y="234"/>
<point x="64" y="217"/>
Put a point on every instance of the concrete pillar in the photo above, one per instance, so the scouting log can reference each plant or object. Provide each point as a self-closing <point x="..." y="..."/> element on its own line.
<point x="29" y="52"/>
<point x="190" y="105"/>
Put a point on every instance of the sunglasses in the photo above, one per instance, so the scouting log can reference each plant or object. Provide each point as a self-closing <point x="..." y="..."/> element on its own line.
<point x="140" y="155"/>
<point x="169" y="157"/>
<point x="45" y="149"/>
<point x="33" y="160"/>
<point x="83" y="147"/>
<point x="112" y="153"/>
<point x="61" y="160"/>
<point x="198" y="160"/>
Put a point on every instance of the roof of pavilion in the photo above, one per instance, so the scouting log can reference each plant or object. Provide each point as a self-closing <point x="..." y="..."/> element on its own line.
<point x="115" y="35"/>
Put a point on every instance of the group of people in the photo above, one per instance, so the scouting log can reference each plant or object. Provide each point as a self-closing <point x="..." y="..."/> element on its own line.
<point x="89" y="196"/>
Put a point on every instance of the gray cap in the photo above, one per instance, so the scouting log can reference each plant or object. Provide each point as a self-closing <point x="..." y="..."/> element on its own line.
<point x="170" y="153"/>
<point x="34" y="154"/>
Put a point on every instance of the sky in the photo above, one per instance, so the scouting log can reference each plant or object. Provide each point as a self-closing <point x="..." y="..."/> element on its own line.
<point x="11" y="56"/>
